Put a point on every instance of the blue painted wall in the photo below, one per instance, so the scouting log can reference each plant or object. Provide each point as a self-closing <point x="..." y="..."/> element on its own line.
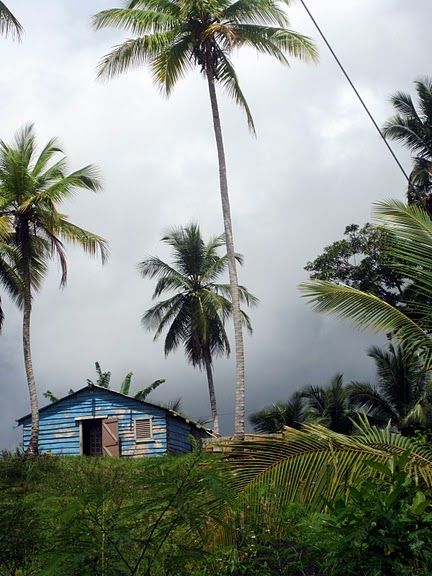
<point x="60" y="425"/>
<point x="179" y="432"/>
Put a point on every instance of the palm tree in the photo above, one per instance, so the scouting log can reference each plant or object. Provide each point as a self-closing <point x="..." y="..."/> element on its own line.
<point x="274" y="418"/>
<point x="409" y="242"/>
<point x="413" y="127"/>
<point x="32" y="186"/>
<point x="9" y="25"/>
<point x="173" y="37"/>
<point x="195" y="316"/>
<point x="330" y="405"/>
<point x="402" y="393"/>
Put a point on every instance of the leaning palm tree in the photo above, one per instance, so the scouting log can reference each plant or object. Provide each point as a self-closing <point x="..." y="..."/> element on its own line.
<point x="402" y="392"/>
<point x="9" y="25"/>
<point x="32" y="186"/>
<point x="409" y="242"/>
<point x="172" y="38"/>
<point x="412" y="126"/>
<point x="195" y="315"/>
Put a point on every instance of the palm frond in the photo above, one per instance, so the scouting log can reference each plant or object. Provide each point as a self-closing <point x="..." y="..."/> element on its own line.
<point x="168" y="277"/>
<point x="178" y="331"/>
<point x="172" y="64"/>
<point x="133" y="53"/>
<point x="10" y="279"/>
<point x="257" y="12"/>
<point x="159" y="315"/>
<point x="367" y="397"/>
<point x="246" y="297"/>
<point x="275" y="418"/>
<point x="276" y="42"/>
<point x="52" y="147"/>
<point x="91" y="243"/>
<point x="9" y="24"/>
<point x="227" y="77"/>
<point x="170" y="7"/>
<point x="424" y="92"/>
<point x="5" y="227"/>
<point x="314" y="465"/>
<point x="138" y="22"/>
<point x="409" y="126"/>
<point x="409" y="237"/>
<point x="367" y="311"/>
<point x="64" y="186"/>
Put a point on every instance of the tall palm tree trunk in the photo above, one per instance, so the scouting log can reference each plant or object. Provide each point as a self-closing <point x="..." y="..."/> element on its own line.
<point x="239" y="422"/>
<point x="212" y="394"/>
<point x="34" y="437"/>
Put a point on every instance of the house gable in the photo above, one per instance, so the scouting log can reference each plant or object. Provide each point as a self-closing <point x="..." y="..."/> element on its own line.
<point x="61" y="429"/>
<point x="143" y="428"/>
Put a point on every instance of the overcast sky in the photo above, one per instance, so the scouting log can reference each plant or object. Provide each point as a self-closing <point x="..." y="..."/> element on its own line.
<point x="316" y="166"/>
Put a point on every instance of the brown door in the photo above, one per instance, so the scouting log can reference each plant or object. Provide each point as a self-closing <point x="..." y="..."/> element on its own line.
<point x="110" y="437"/>
<point x="92" y="437"/>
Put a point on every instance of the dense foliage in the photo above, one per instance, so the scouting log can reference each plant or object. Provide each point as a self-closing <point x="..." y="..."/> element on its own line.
<point x="199" y="516"/>
<point x="105" y="517"/>
<point x="359" y="260"/>
<point x="401" y="395"/>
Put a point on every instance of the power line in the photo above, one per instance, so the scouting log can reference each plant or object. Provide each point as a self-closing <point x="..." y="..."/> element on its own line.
<point x="345" y="73"/>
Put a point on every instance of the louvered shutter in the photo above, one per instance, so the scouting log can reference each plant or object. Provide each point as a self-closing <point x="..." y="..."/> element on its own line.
<point x="143" y="429"/>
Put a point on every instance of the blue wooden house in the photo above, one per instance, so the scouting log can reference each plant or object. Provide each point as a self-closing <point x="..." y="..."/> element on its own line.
<point x="95" y="421"/>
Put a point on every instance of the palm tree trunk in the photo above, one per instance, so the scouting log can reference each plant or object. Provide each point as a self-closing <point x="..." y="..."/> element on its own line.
<point x="32" y="448"/>
<point x="239" y="422"/>
<point x="212" y="394"/>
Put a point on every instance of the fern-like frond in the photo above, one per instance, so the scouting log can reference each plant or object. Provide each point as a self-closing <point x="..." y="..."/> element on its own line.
<point x="314" y="465"/>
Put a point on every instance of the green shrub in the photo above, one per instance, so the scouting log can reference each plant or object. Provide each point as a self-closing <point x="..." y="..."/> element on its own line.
<point x="91" y="517"/>
<point x="384" y="527"/>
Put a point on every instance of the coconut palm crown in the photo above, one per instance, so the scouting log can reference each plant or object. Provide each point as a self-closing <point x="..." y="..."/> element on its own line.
<point x="412" y="126"/>
<point x="174" y="36"/>
<point x="402" y="393"/>
<point x="195" y="315"/>
<point x="330" y="405"/>
<point x="33" y="230"/>
<point x="274" y="418"/>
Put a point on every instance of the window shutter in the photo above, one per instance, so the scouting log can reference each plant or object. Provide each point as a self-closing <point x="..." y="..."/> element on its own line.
<point x="110" y="437"/>
<point x="143" y="429"/>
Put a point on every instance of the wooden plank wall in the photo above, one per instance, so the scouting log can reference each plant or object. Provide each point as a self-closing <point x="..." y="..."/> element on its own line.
<point x="60" y="431"/>
<point x="179" y="432"/>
